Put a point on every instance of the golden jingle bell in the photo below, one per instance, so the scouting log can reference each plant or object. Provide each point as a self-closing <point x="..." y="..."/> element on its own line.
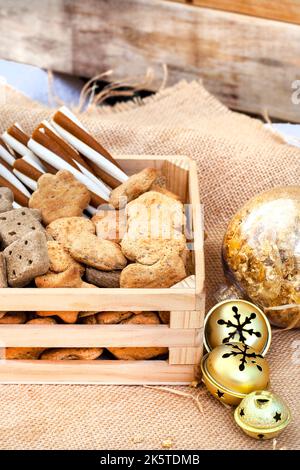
<point x="237" y="320"/>
<point x="262" y="415"/>
<point x="232" y="370"/>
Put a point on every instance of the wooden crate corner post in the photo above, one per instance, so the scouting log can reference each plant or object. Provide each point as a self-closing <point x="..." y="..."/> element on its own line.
<point x="191" y="319"/>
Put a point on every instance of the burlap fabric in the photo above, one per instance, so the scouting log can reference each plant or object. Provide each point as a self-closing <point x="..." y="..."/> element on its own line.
<point x="236" y="159"/>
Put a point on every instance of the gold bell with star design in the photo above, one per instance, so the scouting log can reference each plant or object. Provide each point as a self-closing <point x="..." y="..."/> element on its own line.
<point x="262" y="415"/>
<point x="237" y="320"/>
<point x="233" y="370"/>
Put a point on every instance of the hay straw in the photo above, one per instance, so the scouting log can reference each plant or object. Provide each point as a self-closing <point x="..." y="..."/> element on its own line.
<point x="127" y="87"/>
<point x="276" y="133"/>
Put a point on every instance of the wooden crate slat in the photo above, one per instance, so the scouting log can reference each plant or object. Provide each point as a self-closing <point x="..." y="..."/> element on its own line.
<point x="281" y="10"/>
<point x="248" y="62"/>
<point x="32" y="299"/>
<point x="95" y="336"/>
<point x="95" y="372"/>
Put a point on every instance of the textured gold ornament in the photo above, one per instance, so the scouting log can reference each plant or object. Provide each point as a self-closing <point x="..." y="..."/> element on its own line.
<point x="262" y="415"/>
<point x="260" y="253"/>
<point x="232" y="370"/>
<point x="237" y="320"/>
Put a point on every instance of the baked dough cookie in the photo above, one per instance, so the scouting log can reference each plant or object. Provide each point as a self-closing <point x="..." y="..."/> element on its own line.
<point x="137" y="354"/>
<point x="26" y="258"/>
<point x="132" y="188"/>
<point x="42" y="321"/>
<point x="69" y="278"/>
<point x="154" y="241"/>
<point x="59" y="195"/>
<point x="160" y="185"/>
<point x="67" y="354"/>
<point x="23" y="353"/>
<point x="143" y="318"/>
<point x="106" y="318"/>
<point x="151" y="250"/>
<point x="158" y="207"/>
<point x="109" y="279"/>
<point x="60" y="260"/>
<point x="66" y="229"/>
<point x="3" y="274"/>
<point x="97" y="253"/>
<point x="18" y="223"/>
<point x="154" y="228"/>
<point x="165" y="273"/>
<point x="110" y="224"/>
<point x="165" y="191"/>
<point x="164" y="317"/>
<point x="67" y="317"/>
<point x="13" y="318"/>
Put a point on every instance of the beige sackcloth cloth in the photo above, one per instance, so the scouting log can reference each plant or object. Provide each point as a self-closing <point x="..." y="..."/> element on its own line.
<point x="237" y="158"/>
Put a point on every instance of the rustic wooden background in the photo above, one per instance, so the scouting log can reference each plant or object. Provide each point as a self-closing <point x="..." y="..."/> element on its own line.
<point x="247" y="52"/>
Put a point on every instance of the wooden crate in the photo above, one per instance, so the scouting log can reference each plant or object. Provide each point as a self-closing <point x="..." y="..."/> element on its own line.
<point x="246" y="52"/>
<point x="183" y="336"/>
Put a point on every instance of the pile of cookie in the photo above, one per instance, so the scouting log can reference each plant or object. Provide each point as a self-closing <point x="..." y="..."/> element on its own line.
<point x="70" y="217"/>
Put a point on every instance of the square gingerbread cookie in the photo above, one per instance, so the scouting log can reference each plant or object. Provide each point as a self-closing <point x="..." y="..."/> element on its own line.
<point x="17" y="223"/>
<point x="26" y="258"/>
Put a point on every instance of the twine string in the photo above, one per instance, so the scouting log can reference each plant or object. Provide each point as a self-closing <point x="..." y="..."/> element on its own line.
<point x="194" y="398"/>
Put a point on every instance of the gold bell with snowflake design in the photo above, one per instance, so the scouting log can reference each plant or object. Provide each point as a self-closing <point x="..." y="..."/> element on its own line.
<point x="233" y="370"/>
<point x="237" y="320"/>
<point x="262" y="415"/>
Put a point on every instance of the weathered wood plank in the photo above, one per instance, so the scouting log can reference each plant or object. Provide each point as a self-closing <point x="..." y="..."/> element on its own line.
<point x="249" y="63"/>
<point x="281" y="10"/>
<point x="38" y="33"/>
